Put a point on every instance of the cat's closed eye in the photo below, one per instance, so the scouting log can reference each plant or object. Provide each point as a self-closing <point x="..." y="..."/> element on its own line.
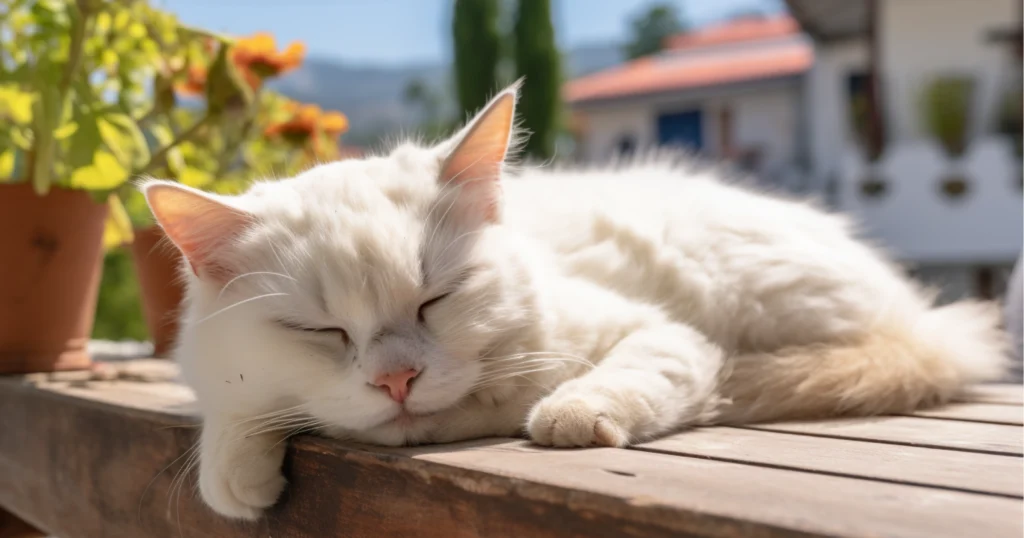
<point x="326" y="331"/>
<point x="421" y="315"/>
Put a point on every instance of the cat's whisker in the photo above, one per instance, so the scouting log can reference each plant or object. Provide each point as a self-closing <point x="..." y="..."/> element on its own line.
<point x="224" y="288"/>
<point x="187" y="453"/>
<point x="270" y="414"/>
<point x="239" y="303"/>
<point x="492" y="382"/>
<point x="541" y="356"/>
<point x="493" y="379"/>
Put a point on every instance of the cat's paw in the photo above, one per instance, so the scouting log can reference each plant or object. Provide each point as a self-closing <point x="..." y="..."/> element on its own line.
<point x="577" y="419"/>
<point x="239" y="480"/>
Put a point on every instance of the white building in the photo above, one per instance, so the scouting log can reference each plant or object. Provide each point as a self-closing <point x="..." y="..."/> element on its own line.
<point x="728" y="91"/>
<point x="777" y="94"/>
<point x="955" y="220"/>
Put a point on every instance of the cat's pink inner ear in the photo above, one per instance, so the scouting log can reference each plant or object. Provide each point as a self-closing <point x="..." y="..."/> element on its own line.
<point x="198" y="224"/>
<point x="476" y="162"/>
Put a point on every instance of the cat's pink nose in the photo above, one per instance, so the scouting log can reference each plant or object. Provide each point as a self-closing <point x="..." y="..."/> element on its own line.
<point x="396" y="383"/>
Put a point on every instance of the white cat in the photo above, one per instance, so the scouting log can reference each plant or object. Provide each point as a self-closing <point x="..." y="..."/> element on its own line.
<point x="432" y="296"/>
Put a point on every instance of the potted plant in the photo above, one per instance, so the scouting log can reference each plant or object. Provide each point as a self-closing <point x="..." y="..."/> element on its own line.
<point x="946" y="109"/>
<point x="66" y="144"/>
<point x="257" y="133"/>
<point x="77" y="105"/>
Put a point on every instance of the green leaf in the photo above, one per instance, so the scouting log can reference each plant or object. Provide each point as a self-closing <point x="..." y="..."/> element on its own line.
<point x="226" y="88"/>
<point x="16" y="104"/>
<point x="103" y="22"/>
<point x="121" y="20"/>
<point x="109" y="59"/>
<point x="118" y="228"/>
<point x="193" y="177"/>
<point x="104" y="173"/>
<point x="123" y="137"/>
<point x="137" y="30"/>
<point x="22" y="137"/>
<point x="6" y="164"/>
<point x="84" y="142"/>
<point x="65" y="130"/>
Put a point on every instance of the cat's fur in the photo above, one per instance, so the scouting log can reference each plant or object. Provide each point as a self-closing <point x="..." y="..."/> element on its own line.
<point x="598" y="307"/>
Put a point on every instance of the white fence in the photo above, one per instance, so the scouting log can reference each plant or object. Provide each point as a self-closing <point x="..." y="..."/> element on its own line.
<point x="909" y="201"/>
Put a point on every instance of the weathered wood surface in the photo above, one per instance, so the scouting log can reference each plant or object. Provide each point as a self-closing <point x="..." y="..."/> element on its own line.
<point x="914" y="431"/>
<point x="81" y="457"/>
<point x="978" y="412"/>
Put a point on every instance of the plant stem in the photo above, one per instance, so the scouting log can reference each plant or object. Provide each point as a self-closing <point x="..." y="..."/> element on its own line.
<point x="44" y="145"/>
<point x="158" y="157"/>
<point x="227" y="155"/>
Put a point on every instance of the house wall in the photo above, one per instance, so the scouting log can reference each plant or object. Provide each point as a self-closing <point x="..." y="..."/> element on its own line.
<point x="764" y="115"/>
<point x="826" y="107"/>
<point x="923" y="39"/>
<point x="919" y="223"/>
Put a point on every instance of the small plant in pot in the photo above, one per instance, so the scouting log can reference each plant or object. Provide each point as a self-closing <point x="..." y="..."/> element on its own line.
<point x="246" y="132"/>
<point x="946" y="109"/>
<point x="71" y="87"/>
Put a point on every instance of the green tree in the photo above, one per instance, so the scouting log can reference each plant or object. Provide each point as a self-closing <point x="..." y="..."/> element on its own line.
<point x="476" y="41"/>
<point x="537" y="61"/>
<point x="649" y="30"/>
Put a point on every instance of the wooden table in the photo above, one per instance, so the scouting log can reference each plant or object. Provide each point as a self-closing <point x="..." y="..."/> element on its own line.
<point x="81" y="457"/>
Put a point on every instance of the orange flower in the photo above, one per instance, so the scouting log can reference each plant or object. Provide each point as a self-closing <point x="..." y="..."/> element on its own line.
<point x="334" y="124"/>
<point x="257" y="57"/>
<point x="195" y="81"/>
<point x="307" y="121"/>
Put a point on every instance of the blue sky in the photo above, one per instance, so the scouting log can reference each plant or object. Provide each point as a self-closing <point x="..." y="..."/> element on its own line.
<point x="416" y="31"/>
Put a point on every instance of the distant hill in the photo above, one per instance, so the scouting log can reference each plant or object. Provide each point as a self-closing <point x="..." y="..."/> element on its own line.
<point x="371" y="96"/>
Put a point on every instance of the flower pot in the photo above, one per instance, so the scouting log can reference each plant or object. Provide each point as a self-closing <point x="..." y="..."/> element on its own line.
<point x="157" y="263"/>
<point x="52" y="255"/>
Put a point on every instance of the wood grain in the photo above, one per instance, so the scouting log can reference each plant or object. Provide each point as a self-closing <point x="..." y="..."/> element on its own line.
<point x="983" y="473"/>
<point x="997" y="394"/>
<point x="99" y="459"/>
<point x="804" y="502"/>
<point x="978" y="412"/>
<point x="912" y="431"/>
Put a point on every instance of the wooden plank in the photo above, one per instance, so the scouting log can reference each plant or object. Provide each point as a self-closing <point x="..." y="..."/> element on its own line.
<point x="997" y="394"/>
<point x="978" y="412"/>
<point x="912" y="431"/>
<point x="13" y="527"/>
<point x="964" y="471"/>
<point x="114" y="479"/>
<point x="803" y="502"/>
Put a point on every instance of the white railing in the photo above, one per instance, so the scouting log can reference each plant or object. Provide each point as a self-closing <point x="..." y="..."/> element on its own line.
<point x="915" y="210"/>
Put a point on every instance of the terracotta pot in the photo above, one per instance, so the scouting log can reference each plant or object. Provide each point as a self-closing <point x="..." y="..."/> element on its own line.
<point x="51" y="257"/>
<point x="157" y="263"/>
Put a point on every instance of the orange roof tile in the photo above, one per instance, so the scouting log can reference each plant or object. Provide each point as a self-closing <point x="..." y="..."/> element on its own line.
<point x="735" y="31"/>
<point x="687" y="66"/>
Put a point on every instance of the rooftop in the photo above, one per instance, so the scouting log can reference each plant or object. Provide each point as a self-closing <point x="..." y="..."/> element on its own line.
<point x="741" y="50"/>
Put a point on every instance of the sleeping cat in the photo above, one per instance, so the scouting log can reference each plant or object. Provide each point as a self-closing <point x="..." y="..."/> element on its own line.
<point x="432" y="295"/>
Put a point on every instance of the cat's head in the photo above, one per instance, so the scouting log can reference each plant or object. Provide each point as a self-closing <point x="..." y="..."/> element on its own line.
<point x="363" y="291"/>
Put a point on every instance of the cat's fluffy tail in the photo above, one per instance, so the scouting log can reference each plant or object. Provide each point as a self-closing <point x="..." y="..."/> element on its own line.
<point x="893" y="370"/>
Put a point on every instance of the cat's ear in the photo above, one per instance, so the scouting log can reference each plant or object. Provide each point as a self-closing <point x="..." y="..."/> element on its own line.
<point x="199" y="224"/>
<point x="477" y="156"/>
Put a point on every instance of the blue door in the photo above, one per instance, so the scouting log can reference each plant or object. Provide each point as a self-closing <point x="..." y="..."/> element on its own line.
<point x="681" y="129"/>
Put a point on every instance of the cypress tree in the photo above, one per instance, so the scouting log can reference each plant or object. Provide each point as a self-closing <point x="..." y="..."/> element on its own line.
<point x="537" y="59"/>
<point x="476" y="42"/>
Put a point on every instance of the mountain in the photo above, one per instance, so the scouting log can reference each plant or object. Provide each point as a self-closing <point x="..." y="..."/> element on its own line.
<point x="372" y="96"/>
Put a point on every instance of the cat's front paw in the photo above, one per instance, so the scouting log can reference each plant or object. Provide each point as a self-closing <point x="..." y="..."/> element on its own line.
<point x="577" y="419"/>
<point x="242" y="478"/>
